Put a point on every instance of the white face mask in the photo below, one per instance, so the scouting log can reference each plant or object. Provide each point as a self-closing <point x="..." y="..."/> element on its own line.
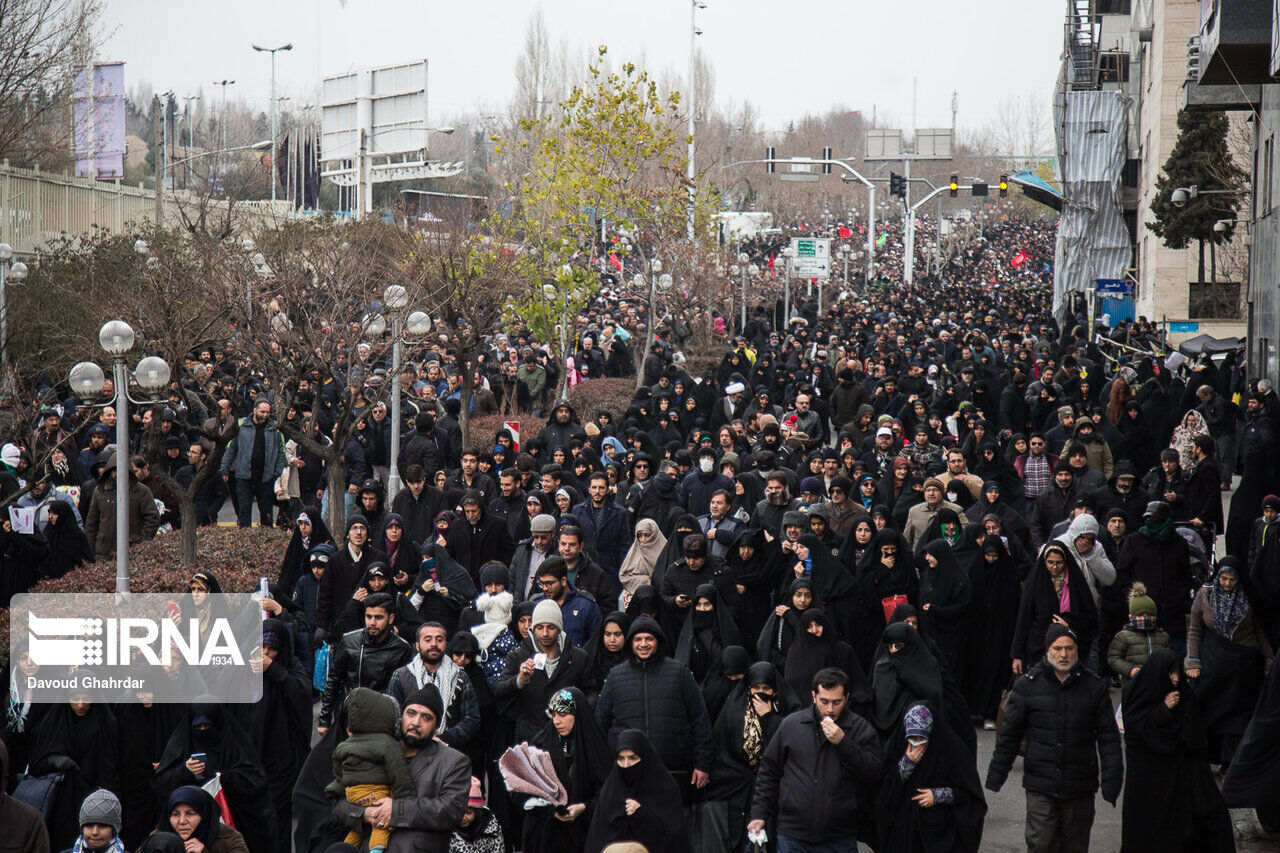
<point x="706" y="464"/>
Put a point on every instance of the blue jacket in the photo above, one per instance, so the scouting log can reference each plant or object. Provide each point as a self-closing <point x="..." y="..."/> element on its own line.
<point x="612" y="539"/>
<point x="240" y="452"/>
<point x="697" y="487"/>
<point x="580" y="615"/>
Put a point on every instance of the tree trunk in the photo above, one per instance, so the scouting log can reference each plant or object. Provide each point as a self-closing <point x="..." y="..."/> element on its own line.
<point x="187" y="509"/>
<point x="464" y="416"/>
<point x="1200" y="271"/>
<point x="337" y="494"/>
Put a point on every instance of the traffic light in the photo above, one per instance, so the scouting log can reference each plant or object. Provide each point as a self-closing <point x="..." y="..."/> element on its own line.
<point x="1004" y="186"/>
<point x="826" y="155"/>
<point x="979" y="189"/>
<point x="954" y="186"/>
<point x="897" y="185"/>
<point x="770" y="154"/>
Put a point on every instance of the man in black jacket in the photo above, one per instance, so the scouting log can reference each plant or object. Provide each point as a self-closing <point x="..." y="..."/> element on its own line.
<point x="545" y="662"/>
<point x="476" y="538"/>
<point x="812" y="770"/>
<point x="683" y="578"/>
<point x="346" y="569"/>
<point x="365" y="657"/>
<point x="425" y="446"/>
<point x="1066" y="715"/>
<point x="1204" y="487"/>
<point x="658" y="695"/>
<point x="417" y="504"/>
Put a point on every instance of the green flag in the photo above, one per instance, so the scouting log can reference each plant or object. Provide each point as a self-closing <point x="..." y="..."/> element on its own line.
<point x="880" y="241"/>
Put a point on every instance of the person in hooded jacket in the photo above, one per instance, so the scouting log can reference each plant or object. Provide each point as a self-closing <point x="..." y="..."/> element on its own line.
<point x="562" y="427"/>
<point x="377" y="578"/>
<point x="660" y="501"/>
<point x="1081" y="540"/>
<point x="99" y="521"/>
<point x="346" y="568"/>
<point x="929" y="797"/>
<point x="207" y="729"/>
<point x="582" y="762"/>
<point x="639" y="803"/>
<point x="1171" y="801"/>
<point x="309" y="530"/>
<point x="659" y="695"/>
<point x="476" y="538"/>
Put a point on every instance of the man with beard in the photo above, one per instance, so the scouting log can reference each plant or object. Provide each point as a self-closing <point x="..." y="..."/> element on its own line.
<point x="441" y="777"/>
<point x="461" y="720"/>
<point x="1067" y="718"/>
<point x="542" y="664"/>
<point x="364" y="657"/>
<point x="777" y="502"/>
<point x="562" y="428"/>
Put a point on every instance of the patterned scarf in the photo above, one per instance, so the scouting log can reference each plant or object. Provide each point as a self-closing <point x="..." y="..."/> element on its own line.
<point x="1143" y="622"/>
<point x="752" y="735"/>
<point x="1229" y="608"/>
<point x="116" y="846"/>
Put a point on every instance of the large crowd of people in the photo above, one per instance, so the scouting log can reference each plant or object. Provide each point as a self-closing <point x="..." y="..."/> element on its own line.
<point x="772" y="603"/>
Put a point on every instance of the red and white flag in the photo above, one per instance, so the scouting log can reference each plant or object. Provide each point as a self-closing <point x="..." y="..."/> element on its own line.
<point x="1018" y="260"/>
<point x="214" y="789"/>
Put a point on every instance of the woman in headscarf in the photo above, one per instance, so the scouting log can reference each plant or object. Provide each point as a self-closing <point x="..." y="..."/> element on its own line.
<point x="706" y="632"/>
<point x="1055" y="592"/>
<point x="945" y="526"/>
<point x="815" y="648"/>
<point x="402" y="555"/>
<point x="886" y="571"/>
<point x="1226" y="649"/>
<point x="68" y="547"/>
<point x="207" y="730"/>
<point x="1170" y="799"/>
<point x="783" y="624"/>
<point x="945" y="598"/>
<point x="645" y="602"/>
<point x="308" y="532"/>
<point x="637" y="567"/>
<point x="832" y="583"/>
<point x="452" y="588"/>
<point x="756" y="566"/>
<point x="639" y="801"/>
<point x="742" y="731"/>
<point x="86" y="734"/>
<point x="1184" y="438"/>
<point x="194" y="816"/>
<point x="995" y="591"/>
<point x="279" y="723"/>
<point x="723" y="677"/>
<point x="606" y="649"/>
<point x="145" y="726"/>
<point x="857" y="542"/>
<point x="908" y="672"/>
<point x="930" y="797"/>
<point x="582" y="763"/>
<point x="673" y="551"/>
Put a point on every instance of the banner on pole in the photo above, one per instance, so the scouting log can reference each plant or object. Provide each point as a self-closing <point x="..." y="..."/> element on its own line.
<point x="513" y="427"/>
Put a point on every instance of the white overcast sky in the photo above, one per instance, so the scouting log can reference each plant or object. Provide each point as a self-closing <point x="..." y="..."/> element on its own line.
<point x="789" y="58"/>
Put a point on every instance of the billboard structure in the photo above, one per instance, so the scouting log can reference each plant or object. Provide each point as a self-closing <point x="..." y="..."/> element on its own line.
<point x="98" y="116"/>
<point x="374" y="129"/>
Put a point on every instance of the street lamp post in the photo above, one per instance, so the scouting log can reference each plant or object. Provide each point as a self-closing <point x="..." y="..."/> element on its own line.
<point x="17" y="272"/>
<point x="743" y="260"/>
<point x="87" y="379"/>
<point x="787" y="254"/>
<point x="846" y="251"/>
<point x="396" y="298"/>
<point x="272" y="51"/>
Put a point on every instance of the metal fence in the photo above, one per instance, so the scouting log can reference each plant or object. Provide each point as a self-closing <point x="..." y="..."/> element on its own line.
<point x="37" y="206"/>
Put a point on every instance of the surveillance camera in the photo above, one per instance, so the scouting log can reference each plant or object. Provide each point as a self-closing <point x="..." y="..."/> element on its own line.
<point x="1179" y="198"/>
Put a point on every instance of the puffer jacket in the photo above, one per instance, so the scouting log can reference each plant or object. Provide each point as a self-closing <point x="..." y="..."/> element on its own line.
<point x="1066" y="724"/>
<point x="1165" y="569"/>
<point x="1130" y="648"/>
<point x="358" y="662"/>
<point x="660" y="697"/>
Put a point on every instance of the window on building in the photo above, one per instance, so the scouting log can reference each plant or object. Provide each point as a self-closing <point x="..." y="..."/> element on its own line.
<point x="1111" y="7"/>
<point x="1268" y="175"/>
<point x="1219" y="300"/>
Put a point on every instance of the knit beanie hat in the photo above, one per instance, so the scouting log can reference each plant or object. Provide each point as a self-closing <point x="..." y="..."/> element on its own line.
<point x="101" y="807"/>
<point x="1057" y="632"/>
<point x="428" y="696"/>
<point x="1141" y="604"/>
<point x="547" y="611"/>
<point x="475" y="799"/>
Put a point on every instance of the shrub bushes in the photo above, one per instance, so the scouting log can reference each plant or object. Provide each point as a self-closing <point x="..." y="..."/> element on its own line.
<point x="587" y="398"/>
<point x="237" y="558"/>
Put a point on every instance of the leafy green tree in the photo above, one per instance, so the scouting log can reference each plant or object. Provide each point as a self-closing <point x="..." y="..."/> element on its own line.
<point x="1202" y="159"/>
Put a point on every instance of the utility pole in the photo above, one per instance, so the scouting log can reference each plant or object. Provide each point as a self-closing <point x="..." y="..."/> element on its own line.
<point x="191" y="134"/>
<point x="157" y="159"/>
<point x="274" y="108"/>
<point x="694" y="32"/>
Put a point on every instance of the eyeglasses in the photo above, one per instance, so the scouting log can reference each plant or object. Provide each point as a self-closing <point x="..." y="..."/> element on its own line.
<point x="547" y="584"/>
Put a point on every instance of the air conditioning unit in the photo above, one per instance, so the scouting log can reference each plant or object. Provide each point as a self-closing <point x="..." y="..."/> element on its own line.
<point x="1193" y="58"/>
